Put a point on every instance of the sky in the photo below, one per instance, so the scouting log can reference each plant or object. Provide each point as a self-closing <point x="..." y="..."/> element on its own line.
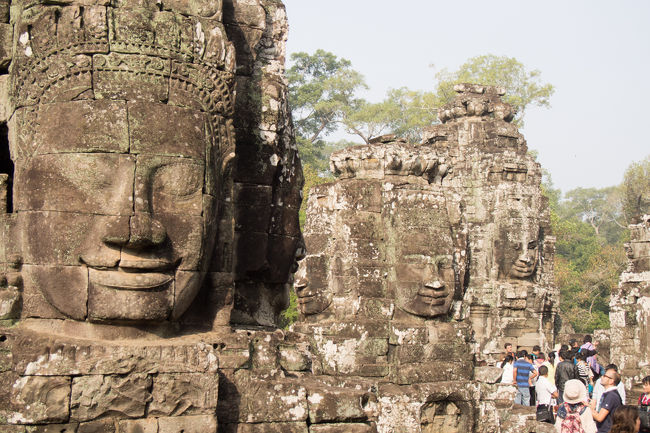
<point x="596" y="53"/>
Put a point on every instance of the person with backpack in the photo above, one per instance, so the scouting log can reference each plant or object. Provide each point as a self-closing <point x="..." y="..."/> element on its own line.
<point x="644" y="406"/>
<point x="609" y="401"/>
<point x="574" y="416"/>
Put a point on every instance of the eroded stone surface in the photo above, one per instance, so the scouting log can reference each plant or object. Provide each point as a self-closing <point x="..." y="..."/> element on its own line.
<point x="630" y="311"/>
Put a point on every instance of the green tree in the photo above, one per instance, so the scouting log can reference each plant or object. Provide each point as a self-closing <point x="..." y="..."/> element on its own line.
<point x="322" y="91"/>
<point x="636" y="185"/>
<point x="523" y="87"/>
<point x="405" y="112"/>
<point x="411" y="111"/>
<point x="601" y="208"/>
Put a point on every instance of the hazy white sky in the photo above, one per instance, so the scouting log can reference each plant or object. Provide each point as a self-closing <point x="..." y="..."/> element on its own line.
<point x="596" y="53"/>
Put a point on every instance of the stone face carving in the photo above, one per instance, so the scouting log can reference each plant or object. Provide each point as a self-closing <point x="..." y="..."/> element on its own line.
<point x="120" y="136"/>
<point x="510" y="294"/>
<point x="517" y="245"/>
<point x="384" y="232"/>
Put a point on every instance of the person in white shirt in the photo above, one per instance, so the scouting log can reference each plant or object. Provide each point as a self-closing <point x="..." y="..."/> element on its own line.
<point x="599" y="388"/>
<point x="545" y="390"/>
<point x="506" y="365"/>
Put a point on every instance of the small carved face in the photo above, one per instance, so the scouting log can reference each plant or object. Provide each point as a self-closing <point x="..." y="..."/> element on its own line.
<point x="424" y="269"/>
<point x="426" y="284"/>
<point x="120" y="214"/>
<point x="311" y="285"/>
<point x="521" y="253"/>
<point x="526" y="261"/>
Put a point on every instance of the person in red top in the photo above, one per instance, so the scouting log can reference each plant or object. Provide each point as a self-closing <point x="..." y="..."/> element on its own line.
<point x="644" y="406"/>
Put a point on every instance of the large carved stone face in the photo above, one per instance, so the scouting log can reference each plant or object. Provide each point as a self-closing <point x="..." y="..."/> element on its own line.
<point x="424" y="262"/>
<point x="118" y="205"/>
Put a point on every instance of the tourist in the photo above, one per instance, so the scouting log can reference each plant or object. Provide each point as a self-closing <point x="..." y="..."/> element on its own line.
<point x="537" y="359"/>
<point x="550" y="363"/>
<point x="509" y="351"/>
<point x="522" y="372"/>
<point x="644" y="406"/>
<point x="574" y="347"/>
<point x="563" y="348"/>
<point x="589" y="349"/>
<point x="599" y="388"/>
<point x="609" y="401"/>
<point x="574" y="416"/>
<point x="546" y="393"/>
<point x="626" y="420"/>
<point x="507" y="366"/>
<point x="584" y="372"/>
<point x="536" y="350"/>
<point x="564" y="372"/>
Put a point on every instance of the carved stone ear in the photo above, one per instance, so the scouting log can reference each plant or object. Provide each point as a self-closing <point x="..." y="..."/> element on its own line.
<point x="228" y="162"/>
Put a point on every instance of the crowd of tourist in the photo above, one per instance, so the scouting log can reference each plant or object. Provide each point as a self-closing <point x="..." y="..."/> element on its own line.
<point x="572" y="390"/>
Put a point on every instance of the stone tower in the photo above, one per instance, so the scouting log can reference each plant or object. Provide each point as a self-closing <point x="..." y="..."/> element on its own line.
<point x="510" y="296"/>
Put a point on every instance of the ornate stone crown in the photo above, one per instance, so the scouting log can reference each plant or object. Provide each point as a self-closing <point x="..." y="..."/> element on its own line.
<point x="393" y="158"/>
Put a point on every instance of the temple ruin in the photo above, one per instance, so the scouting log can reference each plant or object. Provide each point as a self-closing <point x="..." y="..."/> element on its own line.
<point x="149" y="239"/>
<point x="630" y="311"/>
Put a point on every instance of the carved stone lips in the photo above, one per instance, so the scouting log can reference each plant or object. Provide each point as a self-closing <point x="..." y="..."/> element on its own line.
<point x="522" y="269"/>
<point x="430" y="292"/>
<point x="122" y="279"/>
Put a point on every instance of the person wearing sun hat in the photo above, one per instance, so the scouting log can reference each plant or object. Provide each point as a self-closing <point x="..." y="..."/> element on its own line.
<point x="575" y="411"/>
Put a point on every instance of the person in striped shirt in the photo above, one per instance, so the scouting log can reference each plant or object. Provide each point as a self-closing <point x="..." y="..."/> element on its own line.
<point x="522" y="373"/>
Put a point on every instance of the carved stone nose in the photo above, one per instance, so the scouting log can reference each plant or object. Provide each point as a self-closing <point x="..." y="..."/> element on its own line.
<point x="435" y="285"/>
<point x="301" y="284"/>
<point x="145" y="231"/>
<point x="524" y="257"/>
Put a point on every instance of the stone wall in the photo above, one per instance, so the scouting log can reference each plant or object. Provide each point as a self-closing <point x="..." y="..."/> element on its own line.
<point x="630" y="311"/>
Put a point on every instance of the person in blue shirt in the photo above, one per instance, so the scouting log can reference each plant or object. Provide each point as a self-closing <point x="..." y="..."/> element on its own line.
<point x="523" y="372"/>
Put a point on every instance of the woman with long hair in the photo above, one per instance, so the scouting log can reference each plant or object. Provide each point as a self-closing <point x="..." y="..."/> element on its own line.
<point x="626" y="420"/>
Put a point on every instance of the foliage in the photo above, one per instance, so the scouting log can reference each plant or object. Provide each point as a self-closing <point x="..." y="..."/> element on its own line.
<point x="411" y="111"/>
<point x="636" y="182"/>
<point x="523" y="88"/>
<point x="601" y="208"/>
<point x="590" y="227"/>
<point x="322" y="90"/>
<point x="290" y="315"/>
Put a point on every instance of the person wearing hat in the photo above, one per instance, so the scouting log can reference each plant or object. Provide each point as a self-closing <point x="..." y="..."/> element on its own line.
<point x="574" y="411"/>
